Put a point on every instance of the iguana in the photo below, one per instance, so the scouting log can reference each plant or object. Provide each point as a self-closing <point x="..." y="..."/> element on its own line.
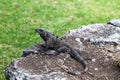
<point x="52" y="41"/>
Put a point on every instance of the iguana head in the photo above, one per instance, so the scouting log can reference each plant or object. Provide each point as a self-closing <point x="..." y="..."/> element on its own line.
<point x="46" y="34"/>
<point x="43" y="33"/>
<point x="40" y="31"/>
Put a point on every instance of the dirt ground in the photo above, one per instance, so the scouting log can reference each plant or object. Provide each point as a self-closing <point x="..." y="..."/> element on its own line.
<point x="101" y="67"/>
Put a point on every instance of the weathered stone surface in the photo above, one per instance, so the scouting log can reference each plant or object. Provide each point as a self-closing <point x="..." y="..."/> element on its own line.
<point x="101" y="42"/>
<point x="100" y="34"/>
<point x="16" y="72"/>
<point x="115" y="22"/>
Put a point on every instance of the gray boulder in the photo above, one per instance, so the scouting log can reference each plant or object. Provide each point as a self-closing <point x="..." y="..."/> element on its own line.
<point x="100" y="42"/>
<point x="115" y="22"/>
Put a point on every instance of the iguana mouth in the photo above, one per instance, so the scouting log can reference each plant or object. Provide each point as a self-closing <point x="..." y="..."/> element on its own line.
<point x="39" y="30"/>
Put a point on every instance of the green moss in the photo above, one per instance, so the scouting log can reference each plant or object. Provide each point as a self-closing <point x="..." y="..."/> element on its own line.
<point x="118" y="62"/>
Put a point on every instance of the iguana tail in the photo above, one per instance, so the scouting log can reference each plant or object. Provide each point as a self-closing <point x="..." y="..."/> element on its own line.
<point x="77" y="55"/>
<point x="85" y="68"/>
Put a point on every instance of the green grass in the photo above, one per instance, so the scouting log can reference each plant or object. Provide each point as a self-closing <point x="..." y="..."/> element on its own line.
<point x="19" y="18"/>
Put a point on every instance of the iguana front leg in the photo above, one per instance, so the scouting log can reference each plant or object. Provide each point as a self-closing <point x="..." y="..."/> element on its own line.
<point x="46" y="45"/>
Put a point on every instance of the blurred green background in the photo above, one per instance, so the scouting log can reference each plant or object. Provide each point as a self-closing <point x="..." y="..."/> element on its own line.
<point x="19" y="18"/>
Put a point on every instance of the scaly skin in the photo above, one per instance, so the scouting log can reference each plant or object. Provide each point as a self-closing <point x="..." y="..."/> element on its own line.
<point x="51" y="41"/>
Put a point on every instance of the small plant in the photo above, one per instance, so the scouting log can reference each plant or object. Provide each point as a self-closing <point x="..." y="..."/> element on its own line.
<point x="118" y="63"/>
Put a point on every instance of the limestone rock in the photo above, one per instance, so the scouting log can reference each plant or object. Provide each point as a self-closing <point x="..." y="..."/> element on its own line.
<point x="100" y="42"/>
<point x="16" y="71"/>
<point x="115" y="22"/>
